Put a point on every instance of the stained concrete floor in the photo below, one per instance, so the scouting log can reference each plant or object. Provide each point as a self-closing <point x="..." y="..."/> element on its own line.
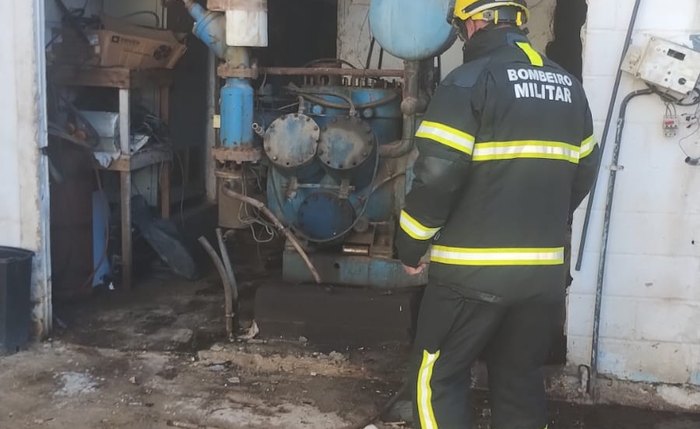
<point x="157" y="357"/>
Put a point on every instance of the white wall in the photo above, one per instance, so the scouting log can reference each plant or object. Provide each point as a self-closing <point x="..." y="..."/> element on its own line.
<point x="354" y="34"/>
<point x="24" y="210"/>
<point x="651" y="309"/>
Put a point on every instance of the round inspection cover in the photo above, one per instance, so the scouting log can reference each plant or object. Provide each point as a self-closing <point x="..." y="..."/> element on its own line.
<point x="291" y="140"/>
<point x="324" y="216"/>
<point x="346" y="143"/>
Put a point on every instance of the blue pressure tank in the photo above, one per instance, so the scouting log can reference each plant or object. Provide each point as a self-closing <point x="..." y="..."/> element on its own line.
<point x="412" y="29"/>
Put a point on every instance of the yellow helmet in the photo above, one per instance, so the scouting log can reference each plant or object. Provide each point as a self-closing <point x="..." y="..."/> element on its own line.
<point x="512" y="11"/>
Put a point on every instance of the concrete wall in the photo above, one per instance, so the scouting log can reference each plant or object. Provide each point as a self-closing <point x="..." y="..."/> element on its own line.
<point x="651" y="310"/>
<point x="24" y="210"/>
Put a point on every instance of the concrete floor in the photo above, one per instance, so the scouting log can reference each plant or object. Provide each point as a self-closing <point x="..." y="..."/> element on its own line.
<point x="155" y="358"/>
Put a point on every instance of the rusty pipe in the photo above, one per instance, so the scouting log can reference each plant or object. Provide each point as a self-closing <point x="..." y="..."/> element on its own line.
<point x="278" y="224"/>
<point x="410" y="107"/>
<point x="228" y="303"/>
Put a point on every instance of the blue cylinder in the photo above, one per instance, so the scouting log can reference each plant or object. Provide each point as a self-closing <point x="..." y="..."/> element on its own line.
<point x="384" y="117"/>
<point x="236" y="113"/>
<point x="210" y="28"/>
<point x="412" y="29"/>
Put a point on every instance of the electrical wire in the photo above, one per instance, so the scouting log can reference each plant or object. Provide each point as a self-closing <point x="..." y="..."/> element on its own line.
<point x="143" y="12"/>
<point x="330" y="60"/>
<point x="693" y="121"/>
<point x="255" y="219"/>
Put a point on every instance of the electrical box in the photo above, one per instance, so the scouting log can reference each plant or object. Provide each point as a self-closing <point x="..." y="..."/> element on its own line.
<point x="671" y="67"/>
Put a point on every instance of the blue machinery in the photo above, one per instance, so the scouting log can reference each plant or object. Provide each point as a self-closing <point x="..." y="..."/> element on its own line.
<point x="336" y="155"/>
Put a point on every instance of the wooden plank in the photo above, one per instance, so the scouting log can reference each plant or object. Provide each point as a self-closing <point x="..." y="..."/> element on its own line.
<point x="124" y="120"/>
<point x="140" y="160"/>
<point x="108" y="77"/>
<point x="104" y="77"/>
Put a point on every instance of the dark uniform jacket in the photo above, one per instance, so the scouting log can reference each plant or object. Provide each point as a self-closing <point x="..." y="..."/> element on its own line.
<point x="507" y="153"/>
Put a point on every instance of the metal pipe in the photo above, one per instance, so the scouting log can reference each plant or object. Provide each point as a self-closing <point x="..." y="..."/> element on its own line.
<point x="614" y="168"/>
<point x="606" y="129"/>
<point x="228" y="302"/>
<point x="370" y="52"/>
<point x="226" y="259"/>
<point x="279" y="225"/>
<point x="404" y="146"/>
<point x="409" y="107"/>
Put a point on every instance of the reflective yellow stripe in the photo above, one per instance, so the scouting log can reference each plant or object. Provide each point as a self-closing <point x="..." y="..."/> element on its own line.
<point x="495" y="151"/>
<point x="534" y="56"/>
<point x="425" y="393"/>
<point x="587" y="147"/>
<point x="497" y="256"/>
<point x="448" y="136"/>
<point x="415" y="229"/>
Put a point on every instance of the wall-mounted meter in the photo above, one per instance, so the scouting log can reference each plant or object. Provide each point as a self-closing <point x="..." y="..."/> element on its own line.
<point x="671" y="67"/>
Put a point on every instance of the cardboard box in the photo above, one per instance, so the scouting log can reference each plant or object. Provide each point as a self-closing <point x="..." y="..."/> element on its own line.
<point x="120" y="44"/>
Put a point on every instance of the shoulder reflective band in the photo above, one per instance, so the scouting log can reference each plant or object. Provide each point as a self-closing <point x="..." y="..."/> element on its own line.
<point x="587" y="147"/>
<point x="415" y="229"/>
<point x="497" y="257"/>
<point x="446" y="135"/>
<point x="424" y="391"/>
<point x="532" y="149"/>
<point x="534" y="56"/>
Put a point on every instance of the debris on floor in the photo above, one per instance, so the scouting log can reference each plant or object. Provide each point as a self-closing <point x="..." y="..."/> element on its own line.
<point x="158" y="358"/>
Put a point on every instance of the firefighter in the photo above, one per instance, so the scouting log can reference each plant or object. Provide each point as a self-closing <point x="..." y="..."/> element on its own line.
<point x="506" y="154"/>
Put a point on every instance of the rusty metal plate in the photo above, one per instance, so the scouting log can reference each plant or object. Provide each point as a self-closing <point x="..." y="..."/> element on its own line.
<point x="244" y="154"/>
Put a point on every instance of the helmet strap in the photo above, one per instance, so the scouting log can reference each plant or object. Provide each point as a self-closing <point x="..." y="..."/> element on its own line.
<point x="460" y="26"/>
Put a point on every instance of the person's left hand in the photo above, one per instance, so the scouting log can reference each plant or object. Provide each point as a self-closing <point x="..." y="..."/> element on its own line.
<point x="415" y="271"/>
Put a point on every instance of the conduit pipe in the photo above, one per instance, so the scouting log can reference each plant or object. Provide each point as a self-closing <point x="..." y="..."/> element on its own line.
<point x="606" y="129"/>
<point x="614" y="168"/>
<point x="410" y="106"/>
<point x="228" y="294"/>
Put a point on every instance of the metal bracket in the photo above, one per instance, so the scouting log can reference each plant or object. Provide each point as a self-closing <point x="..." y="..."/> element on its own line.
<point x="695" y="38"/>
<point x="344" y="191"/>
<point x="292" y="187"/>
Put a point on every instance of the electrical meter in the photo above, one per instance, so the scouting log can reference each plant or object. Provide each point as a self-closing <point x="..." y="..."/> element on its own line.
<point x="671" y="67"/>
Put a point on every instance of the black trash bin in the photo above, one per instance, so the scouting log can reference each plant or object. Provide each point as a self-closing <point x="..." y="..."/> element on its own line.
<point x="15" y="298"/>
